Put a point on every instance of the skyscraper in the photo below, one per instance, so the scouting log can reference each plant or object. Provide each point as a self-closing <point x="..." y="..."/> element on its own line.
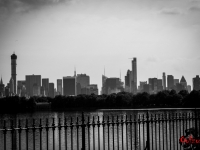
<point x="2" y="88"/>
<point x="183" y="82"/>
<point x="45" y="86"/>
<point x="33" y="84"/>
<point x="170" y="82"/>
<point x="164" y="81"/>
<point x="20" y="85"/>
<point x="13" y="70"/>
<point x="11" y="86"/>
<point x="127" y="81"/>
<point x="59" y="86"/>
<point x="51" y="90"/>
<point x="196" y="83"/>
<point x="134" y="76"/>
<point x="69" y="86"/>
<point x="82" y="81"/>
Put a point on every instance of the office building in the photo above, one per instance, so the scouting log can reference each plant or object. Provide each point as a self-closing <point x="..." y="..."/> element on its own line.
<point x="183" y="82"/>
<point x="103" y="90"/>
<point x="141" y="86"/>
<point x="176" y="81"/>
<point x="33" y="85"/>
<point x="20" y="85"/>
<point x="159" y="85"/>
<point x="128" y="81"/>
<point x="134" y="76"/>
<point x="59" y="86"/>
<point x="45" y="87"/>
<point x="196" y="83"/>
<point x="2" y="88"/>
<point x="153" y="85"/>
<point x="170" y="82"/>
<point x="113" y="85"/>
<point x="13" y="70"/>
<point x="82" y="81"/>
<point x="188" y="88"/>
<point x="51" y="90"/>
<point x="69" y="86"/>
<point x="11" y="87"/>
<point x="92" y="89"/>
<point x="146" y="88"/>
<point x="164" y="81"/>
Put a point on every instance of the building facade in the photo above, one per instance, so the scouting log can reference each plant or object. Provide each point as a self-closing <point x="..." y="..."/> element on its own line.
<point x="69" y="86"/>
<point x="59" y="87"/>
<point x="13" y="71"/>
<point x="164" y="81"/>
<point x="33" y="85"/>
<point x="134" y="76"/>
<point x="170" y="82"/>
<point x="45" y="87"/>
<point x="183" y="82"/>
<point x="51" y="90"/>
<point x="196" y="83"/>
<point x="20" y="86"/>
<point x="2" y="88"/>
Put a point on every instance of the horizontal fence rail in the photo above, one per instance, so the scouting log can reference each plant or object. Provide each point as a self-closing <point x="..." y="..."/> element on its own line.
<point x="145" y="131"/>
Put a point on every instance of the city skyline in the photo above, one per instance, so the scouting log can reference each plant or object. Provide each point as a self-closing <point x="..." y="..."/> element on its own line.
<point x="50" y="40"/>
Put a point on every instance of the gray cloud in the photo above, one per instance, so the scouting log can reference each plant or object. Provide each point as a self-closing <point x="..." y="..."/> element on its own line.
<point x="194" y="8"/>
<point x="171" y="11"/>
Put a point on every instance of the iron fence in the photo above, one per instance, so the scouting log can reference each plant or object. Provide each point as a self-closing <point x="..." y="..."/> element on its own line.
<point x="135" y="132"/>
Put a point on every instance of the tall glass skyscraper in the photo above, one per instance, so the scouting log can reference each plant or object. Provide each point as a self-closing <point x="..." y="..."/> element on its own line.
<point x="134" y="76"/>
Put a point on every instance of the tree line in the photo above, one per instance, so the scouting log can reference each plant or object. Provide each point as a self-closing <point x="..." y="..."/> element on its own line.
<point x="120" y="100"/>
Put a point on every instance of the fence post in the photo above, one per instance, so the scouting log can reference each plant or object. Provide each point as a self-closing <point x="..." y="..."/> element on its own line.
<point x="83" y="132"/>
<point x="148" y="139"/>
<point x="196" y="134"/>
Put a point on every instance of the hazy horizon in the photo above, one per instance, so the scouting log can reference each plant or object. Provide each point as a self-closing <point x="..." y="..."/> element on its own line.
<point x="51" y="37"/>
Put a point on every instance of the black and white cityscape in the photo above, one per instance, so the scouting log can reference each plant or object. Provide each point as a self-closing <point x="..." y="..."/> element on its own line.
<point x="99" y="75"/>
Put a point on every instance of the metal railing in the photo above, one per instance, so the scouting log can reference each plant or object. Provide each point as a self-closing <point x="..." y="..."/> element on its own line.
<point x="144" y="131"/>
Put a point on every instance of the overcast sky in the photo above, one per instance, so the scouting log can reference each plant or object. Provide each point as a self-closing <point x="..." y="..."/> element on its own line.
<point x="51" y="37"/>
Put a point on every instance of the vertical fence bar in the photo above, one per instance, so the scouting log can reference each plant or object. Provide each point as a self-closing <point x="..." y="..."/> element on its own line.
<point x="53" y="131"/>
<point x="47" y="134"/>
<point x="143" y="122"/>
<point x="166" y="132"/>
<point x="196" y="122"/>
<point x="118" y="133"/>
<point x="173" y="132"/>
<point x="12" y="133"/>
<point x="169" y="131"/>
<point x="103" y="125"/>
<point x="180" y="127"/>
<point x="126" y="133"/>
<point x="19" y="131"/>
<point x="33" y="134"/>
<point x="113" y="131"/>
<point x="98" y="125"/>
<point x="27" y="134"/>
<point x="163" y="135"/>
<point x="71" y="124"/>
<point x="59" y="132"/>
<point x="65" y="124"/>
<point x="159" y="132"/>
<point x="4" y="132"/>
<point x="177" y="138"/>
<point x="40" y="125"/>
<point x="139" y="132"/>
<point x="93" y="125"/>
<point x="108" y="124"/>
<point x="122" y="132"/>
<point x="135" y="125"/>
<point x="88" y="125"/>
<point x="148" y="135"/>
<point x="77" y="130"/>
<point x="155" y="132"/>
<point x="152" y="131"/>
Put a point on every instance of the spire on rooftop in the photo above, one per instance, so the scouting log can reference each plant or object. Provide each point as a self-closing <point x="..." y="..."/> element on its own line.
<point x="1" y="81"/>
<point x="182" y="79"/>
